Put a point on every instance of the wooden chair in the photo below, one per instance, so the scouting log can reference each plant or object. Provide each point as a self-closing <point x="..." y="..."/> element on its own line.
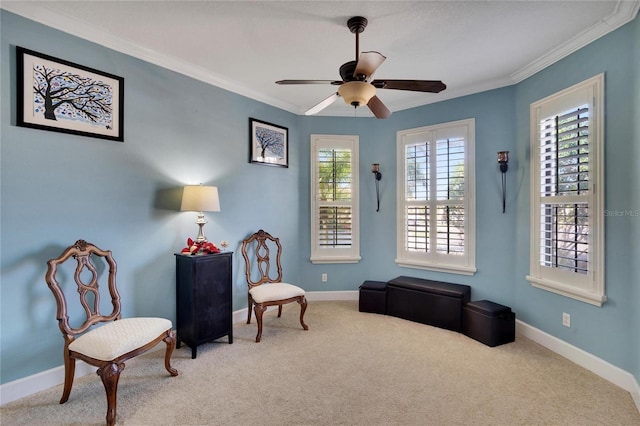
<point x="267" y="291"/>
<point x="107" y="346"/>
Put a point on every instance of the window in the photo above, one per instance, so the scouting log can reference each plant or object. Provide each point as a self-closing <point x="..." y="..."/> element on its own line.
<point x="334" y="199"/>
<point x="567" y="216"/>
<point x="436" y="211"/>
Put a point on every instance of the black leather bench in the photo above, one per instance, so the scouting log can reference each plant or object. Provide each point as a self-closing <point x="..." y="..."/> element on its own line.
<point x="428" y="302"/>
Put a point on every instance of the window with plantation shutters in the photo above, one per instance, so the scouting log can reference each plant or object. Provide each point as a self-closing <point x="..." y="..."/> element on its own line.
<point x="334" y="201"/>
<point x="567" y="234"/>
<point x="436" y="211"/>
<point x="564" y="176"/>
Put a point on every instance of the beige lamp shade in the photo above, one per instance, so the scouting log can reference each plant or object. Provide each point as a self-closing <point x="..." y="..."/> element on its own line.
<point x="356" y="93"/>
<point x="199" y="198"/>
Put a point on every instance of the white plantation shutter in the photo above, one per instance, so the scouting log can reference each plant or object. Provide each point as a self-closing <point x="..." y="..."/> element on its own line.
<point x="564" y="190"/>
<point x="417" y="190"/>
<point x="436" y="211"/>
<point x="417" y="229"/>
<point x="334" y="226"/>
<point x="450" y="233"/>
<point x="333" y="189"/>
<point x="334" y="201"/>
<point x="567" y="228"/>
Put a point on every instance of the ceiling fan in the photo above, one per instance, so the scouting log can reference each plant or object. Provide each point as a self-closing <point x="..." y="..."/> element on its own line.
<point x="357" y="86"/>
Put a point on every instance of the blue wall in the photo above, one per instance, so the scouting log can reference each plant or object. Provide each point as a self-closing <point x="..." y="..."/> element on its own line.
<point x="57" y="188"/>
<point x="378" y="230"/>
<point x="608" y="331"/>
<point x="635" y="189"/>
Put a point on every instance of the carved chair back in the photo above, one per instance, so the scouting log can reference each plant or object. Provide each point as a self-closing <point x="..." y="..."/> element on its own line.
<point x="256" y="248"/>
<point x="88" y="287"/>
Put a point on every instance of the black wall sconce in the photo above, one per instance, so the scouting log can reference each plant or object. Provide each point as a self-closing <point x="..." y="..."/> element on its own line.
<point x="503" y="161"/>
<point x="375" y="169"/>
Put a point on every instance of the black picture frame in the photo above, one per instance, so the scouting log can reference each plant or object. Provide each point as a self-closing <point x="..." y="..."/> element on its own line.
<point x="84" y="101"/>
<point x="268" y="143"/>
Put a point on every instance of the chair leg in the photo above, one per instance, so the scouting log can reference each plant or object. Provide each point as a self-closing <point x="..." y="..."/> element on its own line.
<point x="250" y="300"/>
<point x="170" y="340"/>
<point x="110" y="374"/>
<point x="259" y="309"/>
<point x="69" y="372"/>
<point x="279" y="311"/>
<point x="303" y="307"/>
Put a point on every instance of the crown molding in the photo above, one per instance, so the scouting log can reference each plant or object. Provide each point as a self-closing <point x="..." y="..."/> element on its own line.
<point x="46" y="15"/>
<point x="625" y="12"/>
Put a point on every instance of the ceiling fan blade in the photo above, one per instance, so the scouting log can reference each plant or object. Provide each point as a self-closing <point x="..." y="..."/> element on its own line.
<point x="322" y="104"/>
<point x="433" y="86"/>
<point x="335" y="83"/>
<point x="378" y="109"/>
<point x="368" y="63"/>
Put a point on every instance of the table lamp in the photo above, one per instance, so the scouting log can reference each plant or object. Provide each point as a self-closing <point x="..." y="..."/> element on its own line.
<point x="199" y="198"/>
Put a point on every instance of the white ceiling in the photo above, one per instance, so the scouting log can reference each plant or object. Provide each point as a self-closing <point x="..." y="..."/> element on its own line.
<point x="245" y="46"/>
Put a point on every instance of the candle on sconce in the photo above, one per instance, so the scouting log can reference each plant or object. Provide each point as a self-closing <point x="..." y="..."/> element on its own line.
<point x="503" y="157"/>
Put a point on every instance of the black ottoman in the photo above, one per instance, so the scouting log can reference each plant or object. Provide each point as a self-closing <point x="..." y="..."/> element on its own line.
<point x="489" y="322"/>
<point x="373" y="297"/>
<point x="428" y="302"/>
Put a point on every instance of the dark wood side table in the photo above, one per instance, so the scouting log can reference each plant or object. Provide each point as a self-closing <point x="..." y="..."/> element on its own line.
<point x="203" y="299"/>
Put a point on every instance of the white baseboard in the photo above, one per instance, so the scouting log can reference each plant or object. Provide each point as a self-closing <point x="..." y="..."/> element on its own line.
<point x="44" y="380"/>
<point x="29" y="385"/>
<point x="26" y="386"/>
<point x="635" y="394"/>
<point x="323" y="296"/>
<point x="602" y="368"/>
<point x="312" y="296"/>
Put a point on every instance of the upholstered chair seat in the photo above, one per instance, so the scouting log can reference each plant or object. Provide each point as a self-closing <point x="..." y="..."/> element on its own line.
<point x="275" y="291"/>
<point x="117" y="338"/>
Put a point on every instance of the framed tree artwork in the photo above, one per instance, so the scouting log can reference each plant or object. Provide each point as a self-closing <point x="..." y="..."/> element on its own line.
<point x="269" y="143"/>
<point x="58" y="95"/>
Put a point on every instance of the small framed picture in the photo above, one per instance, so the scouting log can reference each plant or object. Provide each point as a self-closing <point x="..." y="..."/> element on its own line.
<point x="268" y="144"/>
<point x="57" y="95"/>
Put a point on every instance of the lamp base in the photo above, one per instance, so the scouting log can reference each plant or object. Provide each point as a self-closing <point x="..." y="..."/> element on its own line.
<point x="201" y="222"/>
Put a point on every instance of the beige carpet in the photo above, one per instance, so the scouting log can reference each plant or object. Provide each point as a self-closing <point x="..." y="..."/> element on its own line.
<point x="350" y="368"/>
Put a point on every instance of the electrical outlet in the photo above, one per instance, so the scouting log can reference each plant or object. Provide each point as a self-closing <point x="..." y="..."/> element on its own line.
<point x="324" y="278"/>
<point x="566" y="319"/>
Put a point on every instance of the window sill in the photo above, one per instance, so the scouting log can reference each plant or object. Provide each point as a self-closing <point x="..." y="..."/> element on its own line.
<point x="567" y="291"/>
<point x="451" y="269"/>
<point x="327" y="259"/>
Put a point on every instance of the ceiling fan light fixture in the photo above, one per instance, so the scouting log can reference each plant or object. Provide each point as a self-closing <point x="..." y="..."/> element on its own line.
<point x="356" y="93"/>
<point x="357" y="86"/>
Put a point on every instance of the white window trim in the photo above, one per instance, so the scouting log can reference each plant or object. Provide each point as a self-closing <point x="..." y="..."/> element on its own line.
<point x="351" y="254"/>
<point x="589" y="288"/>
<point x="463" y="265"/>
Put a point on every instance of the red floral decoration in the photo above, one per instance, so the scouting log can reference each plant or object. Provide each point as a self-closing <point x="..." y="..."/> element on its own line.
<point x="204" y="247"/>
